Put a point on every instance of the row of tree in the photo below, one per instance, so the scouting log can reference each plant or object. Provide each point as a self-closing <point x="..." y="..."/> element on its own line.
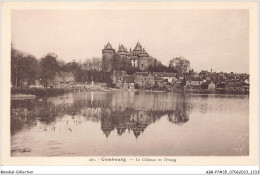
<point x="26" y="68"/>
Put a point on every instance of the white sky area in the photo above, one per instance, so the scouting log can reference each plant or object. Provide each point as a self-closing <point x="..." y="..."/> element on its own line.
<point x="210" y="39"/>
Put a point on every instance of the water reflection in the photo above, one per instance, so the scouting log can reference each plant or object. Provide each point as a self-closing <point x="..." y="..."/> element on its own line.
<point x="125" y="111"/>
<point x="127" y="123"/>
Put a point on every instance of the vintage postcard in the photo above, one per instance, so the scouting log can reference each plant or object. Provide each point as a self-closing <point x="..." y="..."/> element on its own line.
<point x="129" y="83"/>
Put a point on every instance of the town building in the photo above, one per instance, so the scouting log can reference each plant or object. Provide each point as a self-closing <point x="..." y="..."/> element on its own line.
<point x="211" y="86"/>
<point x="144" y="80"/>
<point x="194" y="81"/>
<point x="63" y="80"/>
<point x="128" y="82"/>
<point x="117" y="78"/>
<point x="169" y="77"/>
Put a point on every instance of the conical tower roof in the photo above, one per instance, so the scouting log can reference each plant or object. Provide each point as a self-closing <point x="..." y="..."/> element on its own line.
<point x="121" y="50"/>
<point x="108" y="46"/>
<point x="138" y="46"/>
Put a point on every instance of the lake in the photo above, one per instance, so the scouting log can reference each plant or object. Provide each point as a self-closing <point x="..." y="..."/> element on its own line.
<point x="122" y="123"/>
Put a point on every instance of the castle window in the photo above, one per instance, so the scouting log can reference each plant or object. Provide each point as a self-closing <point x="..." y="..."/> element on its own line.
<point x="142" y="65"/>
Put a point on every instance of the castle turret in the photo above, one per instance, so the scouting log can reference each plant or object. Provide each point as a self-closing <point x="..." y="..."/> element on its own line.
<point x="137" y="49"/>
<point x="107" y="55"/>
<point x="122" y="51"/>
<point x="143" y="60"/>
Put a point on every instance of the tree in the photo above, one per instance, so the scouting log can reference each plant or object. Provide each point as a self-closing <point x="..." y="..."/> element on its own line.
<point x="132" y="70"/>
<point x="61" y="63"/>
<point x="71" y="67"/>
<point x="15" y="56"/>
<point x="76" y="69"/>
<point x="93" y="64"/>
<point x="157" y="66"/>
<point x="24" y="68"/>
<point x="97" y="63"/>
<point x="181" y="64"/>
<point x="28" y="69"/>
<point x="48" y="68"/>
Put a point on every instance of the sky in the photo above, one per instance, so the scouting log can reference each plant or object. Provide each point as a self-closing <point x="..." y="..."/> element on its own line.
<point x="210" y="39"/>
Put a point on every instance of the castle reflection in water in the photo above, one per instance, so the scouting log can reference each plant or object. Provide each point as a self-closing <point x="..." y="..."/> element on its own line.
<point x="117" y="111"/>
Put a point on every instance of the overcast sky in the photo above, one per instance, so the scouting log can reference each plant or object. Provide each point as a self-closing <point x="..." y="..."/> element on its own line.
<point x="210" y="39"/>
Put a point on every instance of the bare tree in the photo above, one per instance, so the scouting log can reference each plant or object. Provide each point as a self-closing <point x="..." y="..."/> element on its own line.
<point x="181" y="64"/>
<point x="93" y="64"/>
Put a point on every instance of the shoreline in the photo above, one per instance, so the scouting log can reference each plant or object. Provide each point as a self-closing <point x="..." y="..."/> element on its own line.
<point x="32" y="93"/>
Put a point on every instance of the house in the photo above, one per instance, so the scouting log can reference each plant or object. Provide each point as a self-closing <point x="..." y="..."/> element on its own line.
<point x="63" y="80"/>
<point x="208" y="78"/>
<point x="158" y="74"/>
<point x="245" y="84"/>
<point x="144" y="80"/>
<point x="159" y="82"/>
<point x="170" y="77"/>
<point x="221" y="84"/>
<point x="211" y="86"/>
<point x="117" y="78"/>
<point x="142" y="74"/>
<point x="128" y="81"/>
<point x="194" y="81"/>
<point x="149" y="81"/>
<point x="246" y="81"/>
<point x="235" y="85"/>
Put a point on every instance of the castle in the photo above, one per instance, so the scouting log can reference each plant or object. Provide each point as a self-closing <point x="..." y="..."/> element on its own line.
<point x="138" y="57"/>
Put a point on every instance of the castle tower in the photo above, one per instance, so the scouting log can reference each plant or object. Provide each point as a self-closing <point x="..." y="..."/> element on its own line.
<point x="143" y="58"/>
<point x="107" y="55"/>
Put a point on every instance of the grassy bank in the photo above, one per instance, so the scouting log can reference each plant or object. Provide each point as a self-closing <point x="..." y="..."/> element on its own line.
<point x="39" y="92"/>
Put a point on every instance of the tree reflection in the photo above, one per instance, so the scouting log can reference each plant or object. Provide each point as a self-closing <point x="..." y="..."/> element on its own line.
<point x="120" y="112"/>
<point x="180" y="115"/>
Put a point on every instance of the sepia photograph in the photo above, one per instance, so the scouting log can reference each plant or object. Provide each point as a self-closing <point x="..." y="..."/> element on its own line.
<point x="113" y="83"/>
